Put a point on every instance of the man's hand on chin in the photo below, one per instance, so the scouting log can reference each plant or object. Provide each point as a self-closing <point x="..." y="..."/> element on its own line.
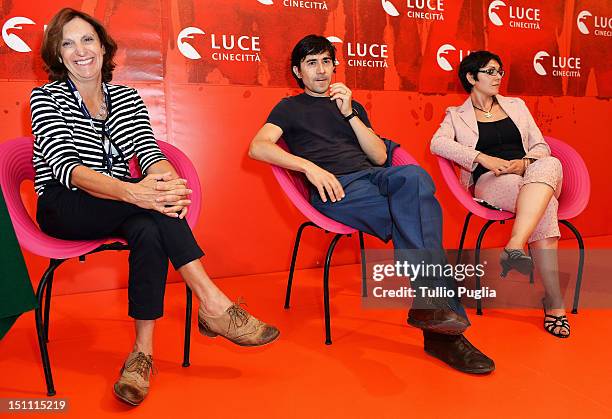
<point x="343" y="97"/>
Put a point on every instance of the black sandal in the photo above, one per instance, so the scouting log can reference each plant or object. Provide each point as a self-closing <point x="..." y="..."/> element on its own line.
<point x="556" y="322"/>
<point x="515" y="259"/>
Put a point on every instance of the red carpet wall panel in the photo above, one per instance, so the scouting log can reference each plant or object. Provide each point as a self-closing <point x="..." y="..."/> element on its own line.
<point x="211" y="70"/>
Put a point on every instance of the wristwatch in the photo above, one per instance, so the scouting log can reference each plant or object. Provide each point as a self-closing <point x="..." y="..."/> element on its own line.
<point x="351" y="115"/>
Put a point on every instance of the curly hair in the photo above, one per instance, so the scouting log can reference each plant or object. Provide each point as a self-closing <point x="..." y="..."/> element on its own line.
<point x="52" y="42"/>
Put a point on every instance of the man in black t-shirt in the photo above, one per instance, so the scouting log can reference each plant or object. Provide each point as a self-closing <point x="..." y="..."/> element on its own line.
<point x="314" y="129"/>
<point x="331" y="141"/>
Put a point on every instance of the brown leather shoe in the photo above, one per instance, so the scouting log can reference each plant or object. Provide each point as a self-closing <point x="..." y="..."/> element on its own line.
<point x="237" y="326"/>
<point x="457" y="352"/>
<point x="133" y="385"/>
<point x="439" y="318"/>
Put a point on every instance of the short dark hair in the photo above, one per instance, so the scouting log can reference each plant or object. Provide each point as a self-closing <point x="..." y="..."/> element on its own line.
<point x="474" y="62"/>
<point x="309" y="45"/>
<point x="52" y="42"/>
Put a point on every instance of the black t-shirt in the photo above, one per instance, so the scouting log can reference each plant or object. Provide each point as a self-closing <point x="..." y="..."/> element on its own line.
<point x="498" y="139"/>
<point x="315" y="130"/>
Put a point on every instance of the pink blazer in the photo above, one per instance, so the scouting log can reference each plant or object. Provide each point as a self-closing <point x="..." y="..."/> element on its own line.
<point x="458" y="134"/>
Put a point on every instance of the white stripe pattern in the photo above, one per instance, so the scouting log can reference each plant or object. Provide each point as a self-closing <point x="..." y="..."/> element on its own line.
<point x="64" y="137"/>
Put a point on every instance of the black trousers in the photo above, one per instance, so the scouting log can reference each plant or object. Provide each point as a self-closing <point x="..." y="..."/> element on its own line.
<point x="153" y="238"/>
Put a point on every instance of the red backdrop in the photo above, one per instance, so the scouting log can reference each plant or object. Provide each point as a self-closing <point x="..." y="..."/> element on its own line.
<point x="210" y="71"/>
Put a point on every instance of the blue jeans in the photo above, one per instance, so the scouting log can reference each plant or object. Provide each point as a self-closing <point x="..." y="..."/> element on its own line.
<point x="396" y="203"/>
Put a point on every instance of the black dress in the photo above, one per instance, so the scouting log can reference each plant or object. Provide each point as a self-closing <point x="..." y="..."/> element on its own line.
<point x="500" y="139"/>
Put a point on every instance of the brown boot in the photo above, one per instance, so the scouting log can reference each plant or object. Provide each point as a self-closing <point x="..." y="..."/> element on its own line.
<point x="458" y="353"/>
<point x="133" y="384"/>
<point x="438" y="320"/>
<point x="237" y="326"/>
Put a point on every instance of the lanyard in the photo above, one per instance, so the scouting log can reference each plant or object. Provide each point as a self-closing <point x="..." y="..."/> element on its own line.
<point x="108" y="146"/>
<point x="84" y="109"/>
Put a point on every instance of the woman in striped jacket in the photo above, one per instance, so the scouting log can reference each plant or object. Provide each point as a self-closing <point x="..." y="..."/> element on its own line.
<point x="86" y="131"/>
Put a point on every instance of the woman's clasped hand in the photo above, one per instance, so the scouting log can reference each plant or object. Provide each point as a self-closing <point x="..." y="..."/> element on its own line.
<point x="501" y="166"/>
<point x="161" y="192"/>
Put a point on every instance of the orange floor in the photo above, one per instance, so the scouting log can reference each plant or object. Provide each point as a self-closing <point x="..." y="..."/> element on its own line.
<point x="376" y="367"/>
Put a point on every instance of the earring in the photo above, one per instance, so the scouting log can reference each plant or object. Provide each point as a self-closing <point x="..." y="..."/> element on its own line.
<point x="60" y="60"/>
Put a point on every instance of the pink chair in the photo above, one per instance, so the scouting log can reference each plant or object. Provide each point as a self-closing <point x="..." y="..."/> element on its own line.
<point x="296" y="187"/>
<point x="573" y="200"/>
<point x="16" y="167"/>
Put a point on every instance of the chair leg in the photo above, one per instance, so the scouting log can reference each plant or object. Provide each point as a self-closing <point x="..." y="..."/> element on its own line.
<point x="48" y="291"/>
<point x="330" y="252"/>
<point x="364" y="286"/>
<point x="40" y="326"/>
<point x="187" y="343"/>
<point x="296" y="247"/>
<point x="531" y="274"/>
<point x="580" y="263"/>
<point x="466" y="223"/>
<point x="477" y="260"/>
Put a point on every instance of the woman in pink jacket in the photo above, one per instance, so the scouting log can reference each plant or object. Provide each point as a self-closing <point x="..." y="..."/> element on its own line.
<point x="506" y="162"/>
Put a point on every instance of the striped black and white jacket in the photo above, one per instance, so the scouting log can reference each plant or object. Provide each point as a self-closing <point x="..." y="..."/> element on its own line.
<point x="64" y="137"/>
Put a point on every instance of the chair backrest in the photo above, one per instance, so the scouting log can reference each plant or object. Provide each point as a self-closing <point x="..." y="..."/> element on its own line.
<point x="464" y="196"/>
<point x="184" y="167"/>
<point x="401" y="157"/>
<point x="16" y="167"/>
<point x="576" y="189"/>
<point x="297" y="189"/>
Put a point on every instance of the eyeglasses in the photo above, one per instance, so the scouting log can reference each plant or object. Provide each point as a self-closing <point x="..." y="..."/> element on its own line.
<point x="493" y="72"/>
